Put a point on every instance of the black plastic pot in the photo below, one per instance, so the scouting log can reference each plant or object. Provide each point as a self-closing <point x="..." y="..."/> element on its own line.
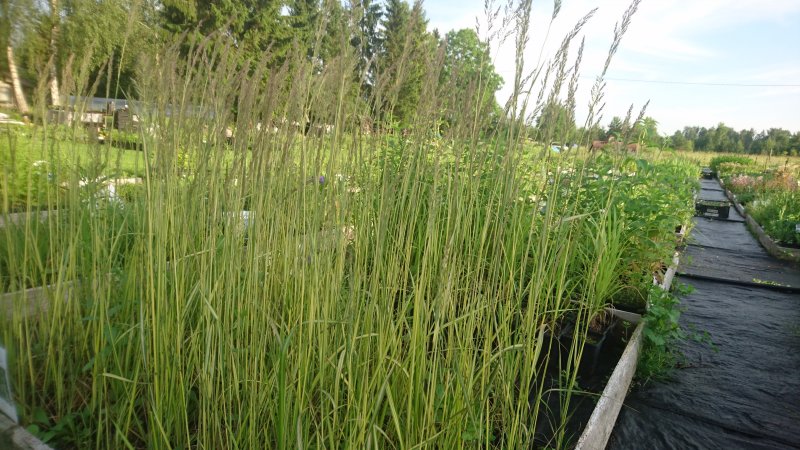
<point x="712" y="209"/>
<point x="593" y="346"/>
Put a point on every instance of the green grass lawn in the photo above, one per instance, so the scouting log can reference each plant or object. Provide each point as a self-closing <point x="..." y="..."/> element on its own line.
<point x="28" y="144"/>
<point x="36" y="166"/>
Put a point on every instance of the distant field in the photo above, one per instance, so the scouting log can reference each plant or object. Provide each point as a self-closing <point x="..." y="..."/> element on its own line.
<point x="703" y="158"/>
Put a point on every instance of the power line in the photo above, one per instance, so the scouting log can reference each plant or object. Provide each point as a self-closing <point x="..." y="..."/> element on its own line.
<point x="694" y="83"/>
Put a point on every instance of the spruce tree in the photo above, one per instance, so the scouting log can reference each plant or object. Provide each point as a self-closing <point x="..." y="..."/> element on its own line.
<point x="406" y="51"/>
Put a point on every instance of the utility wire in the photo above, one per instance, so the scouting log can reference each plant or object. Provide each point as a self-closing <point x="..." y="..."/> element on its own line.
<point x="693" y="83"/>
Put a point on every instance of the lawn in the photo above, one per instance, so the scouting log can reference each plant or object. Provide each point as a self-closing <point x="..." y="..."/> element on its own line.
<point x="62" y="147"/>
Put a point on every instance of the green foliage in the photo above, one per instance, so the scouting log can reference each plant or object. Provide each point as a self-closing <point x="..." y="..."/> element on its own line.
<point x="255" y="26"/>
<point x="367" y="41"/>
<point x="555" y="123"/>
<point x="435" y="239"/>
<point x="662" y="333"/>
<point x="24" y="256"/>
<point x="775" y="141"/>
<point x="28" y="161"/>
<point x="779" y="214"/>
<point x="615" y="128"/>
<point x="25" y="182"/>
<point x="469" y="77"/>
<point x="407" y="50"/>
<point x="646" y="131"/>
<point x="381" y="289"/>
<point x="717" y="161"/>
<point x="131" y="193"/>
<point x="95" y="42"/>
<point x="654" y="197"/>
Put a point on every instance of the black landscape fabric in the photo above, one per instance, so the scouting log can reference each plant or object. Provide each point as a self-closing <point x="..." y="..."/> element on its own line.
<point x="745" y="394"/>
<point x="711" y="185"/>
<point x="734" y="216"/>
<point x="742" y="392"/>
<point x="739" y="267"/>
<point x="722" y="234"/>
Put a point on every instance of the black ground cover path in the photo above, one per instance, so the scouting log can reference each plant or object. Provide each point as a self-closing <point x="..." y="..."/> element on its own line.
<point x="744" y="392"/>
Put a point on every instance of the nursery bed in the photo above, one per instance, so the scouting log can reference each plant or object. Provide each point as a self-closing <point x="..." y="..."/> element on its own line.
<point x="785" y="253"/>
<point x="592" y="379"/>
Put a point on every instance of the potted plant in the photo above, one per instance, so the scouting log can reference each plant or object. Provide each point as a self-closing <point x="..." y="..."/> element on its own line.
<point x="599" y="328"/>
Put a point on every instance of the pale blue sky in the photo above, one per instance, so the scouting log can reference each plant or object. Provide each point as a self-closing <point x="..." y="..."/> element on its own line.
<point x="752" y="42"/>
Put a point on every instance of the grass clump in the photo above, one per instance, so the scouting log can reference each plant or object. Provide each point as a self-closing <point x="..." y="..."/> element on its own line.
<point x="284" y="286"/>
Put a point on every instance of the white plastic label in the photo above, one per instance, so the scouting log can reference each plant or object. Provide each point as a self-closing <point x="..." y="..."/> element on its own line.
<point x="6" y="403"/>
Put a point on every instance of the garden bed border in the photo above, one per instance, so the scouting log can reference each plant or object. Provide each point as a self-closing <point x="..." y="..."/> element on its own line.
<point x="787" y="254"/>
<point x="43" y="214"/>
<point x="19" y="438"/>
<point x="37" y="299"/>
<point x="604" y="417"/>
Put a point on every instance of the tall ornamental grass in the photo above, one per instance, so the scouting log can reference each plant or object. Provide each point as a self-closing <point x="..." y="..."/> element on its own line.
<point x="384" y="289"/>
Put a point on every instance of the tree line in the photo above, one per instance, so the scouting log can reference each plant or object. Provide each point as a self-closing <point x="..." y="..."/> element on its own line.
<point x="51" y="47"/>
<point x="775" y="141"/>
<point x="54" y="47"/>
<point x="721" y="138"/>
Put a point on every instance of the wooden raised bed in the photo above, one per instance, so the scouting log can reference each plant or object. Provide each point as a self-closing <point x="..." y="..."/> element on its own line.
<point x="787" y="254"/>
<point x="601" y="424"/>
<point x="14" y="437"/>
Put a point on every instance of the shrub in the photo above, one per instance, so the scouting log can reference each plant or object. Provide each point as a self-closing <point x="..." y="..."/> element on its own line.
<point x="779" y="213"/>
<point x="715" y="162"/>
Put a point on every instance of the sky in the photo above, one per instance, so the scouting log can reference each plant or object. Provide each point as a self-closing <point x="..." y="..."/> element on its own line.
<point x="690" y="58"/>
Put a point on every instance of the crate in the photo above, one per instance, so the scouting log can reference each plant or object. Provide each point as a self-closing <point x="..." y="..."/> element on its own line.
<point x="712" y="209"/>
